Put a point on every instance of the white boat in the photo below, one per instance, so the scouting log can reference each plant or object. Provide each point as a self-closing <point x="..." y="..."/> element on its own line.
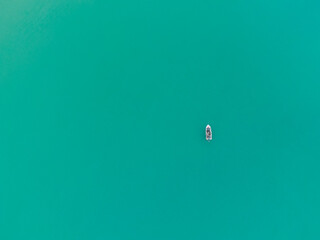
<point x="208" y="133"/>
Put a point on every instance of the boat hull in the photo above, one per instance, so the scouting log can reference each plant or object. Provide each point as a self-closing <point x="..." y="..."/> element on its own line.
<point x="208" y="133"/>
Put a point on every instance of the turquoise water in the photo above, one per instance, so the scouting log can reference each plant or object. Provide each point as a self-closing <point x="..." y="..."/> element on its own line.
<point x="103" y="108"/>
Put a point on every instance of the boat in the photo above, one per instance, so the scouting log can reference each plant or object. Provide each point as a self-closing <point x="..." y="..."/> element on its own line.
<point x="208" y="133"/>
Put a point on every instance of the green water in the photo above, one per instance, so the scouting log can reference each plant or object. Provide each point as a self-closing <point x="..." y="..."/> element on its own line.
<point x="103" y="108"/>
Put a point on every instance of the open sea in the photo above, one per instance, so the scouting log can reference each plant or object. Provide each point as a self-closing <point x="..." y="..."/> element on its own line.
<point x="103" y="109"/>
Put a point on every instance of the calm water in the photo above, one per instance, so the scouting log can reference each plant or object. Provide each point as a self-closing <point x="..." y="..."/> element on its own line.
<point x="103" y="108"/>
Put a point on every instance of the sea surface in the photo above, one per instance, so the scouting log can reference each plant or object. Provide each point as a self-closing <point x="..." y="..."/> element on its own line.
<point x="103" y="108"/>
